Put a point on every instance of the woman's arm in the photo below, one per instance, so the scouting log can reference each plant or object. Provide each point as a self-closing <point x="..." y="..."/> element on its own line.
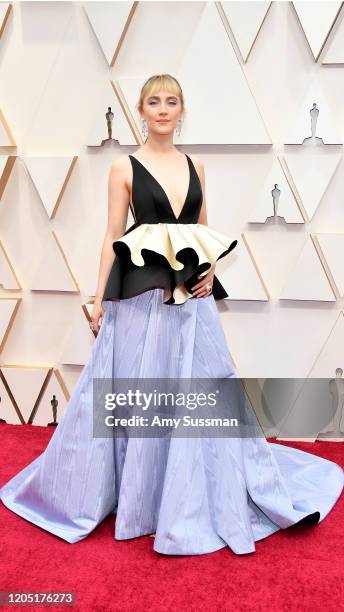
<point x="203" y="212"/>
<point x="199" y="289"/>
<point x="118" y="205"/>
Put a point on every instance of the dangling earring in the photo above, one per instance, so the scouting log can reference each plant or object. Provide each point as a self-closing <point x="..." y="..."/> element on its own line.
<point x="179" y="127"/>
<point x="144" y="128"/>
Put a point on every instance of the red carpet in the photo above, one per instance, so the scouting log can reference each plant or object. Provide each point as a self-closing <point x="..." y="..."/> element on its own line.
<point x="301" y="568"/>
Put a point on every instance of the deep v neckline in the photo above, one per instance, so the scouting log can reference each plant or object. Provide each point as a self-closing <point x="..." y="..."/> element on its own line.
<point x="176" y="218"/>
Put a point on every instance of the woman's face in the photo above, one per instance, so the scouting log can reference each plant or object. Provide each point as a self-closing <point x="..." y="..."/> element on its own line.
<point x="162" y="111"/>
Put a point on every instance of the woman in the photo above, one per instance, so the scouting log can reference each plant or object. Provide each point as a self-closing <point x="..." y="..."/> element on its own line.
<point x="160" y="321"/>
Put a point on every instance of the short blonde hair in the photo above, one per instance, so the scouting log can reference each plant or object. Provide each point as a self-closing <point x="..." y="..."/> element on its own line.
<point x="157" y="82"/>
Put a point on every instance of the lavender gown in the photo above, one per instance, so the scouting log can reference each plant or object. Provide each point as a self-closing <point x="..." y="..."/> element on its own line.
<point x="197" y="494"/>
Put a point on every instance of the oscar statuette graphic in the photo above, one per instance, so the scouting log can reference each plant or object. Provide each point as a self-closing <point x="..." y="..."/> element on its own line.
<point x="54" y="404"/>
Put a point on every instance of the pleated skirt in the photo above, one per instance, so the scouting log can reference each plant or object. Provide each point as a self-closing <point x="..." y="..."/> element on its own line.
<point x="197" y="494"/>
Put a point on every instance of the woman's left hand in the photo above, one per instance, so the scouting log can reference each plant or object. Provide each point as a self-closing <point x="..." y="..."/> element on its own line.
<point x="205" y="286"/>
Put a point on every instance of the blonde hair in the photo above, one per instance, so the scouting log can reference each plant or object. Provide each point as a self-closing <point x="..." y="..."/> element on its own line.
<point x="157" y="82"/>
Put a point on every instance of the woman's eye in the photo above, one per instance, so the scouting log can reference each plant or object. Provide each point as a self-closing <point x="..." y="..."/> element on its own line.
<point x="173" y="102"/>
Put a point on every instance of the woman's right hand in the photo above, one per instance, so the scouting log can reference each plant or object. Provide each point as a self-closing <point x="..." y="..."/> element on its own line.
<point x="97" y="313"/>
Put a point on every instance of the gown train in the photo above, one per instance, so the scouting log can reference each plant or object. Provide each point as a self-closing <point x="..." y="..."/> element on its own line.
<point x="197" y="494"/>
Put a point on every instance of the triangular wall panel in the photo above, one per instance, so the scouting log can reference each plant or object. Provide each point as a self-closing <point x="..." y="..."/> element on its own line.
<point x="321" y="129"/>
<point x="123" y="128"/>
<point x="8" y="311"/>
<point x="5" y="11"/>
<point x="8" y="277"/>
<point x="6" y="136"/>
<point x="334" y="53"/>
<point x="245" y="30"/>
<point x="80" y="340"/>
<point x="6" y="165"/>
<point x="25" y="383"/>
<point x="54" y="394"/>
<point x="317" y="20"/>
<point x="308" y="280"/>
<point x="53" y="272"/>
<point x="9" y="410"/>
<point x="331" y="355"/>
<point x="311" y="174"/>
<point x="242" y="278"/>
<point x="332" y="248"/>
<point x="110" y="21"/>
<point x="204" y="63"/>
<point x="275" y="199"/>
<point x="50" y="176"/>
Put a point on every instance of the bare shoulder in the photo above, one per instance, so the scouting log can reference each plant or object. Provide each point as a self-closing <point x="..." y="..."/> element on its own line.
<point x="121" y="164"/>
<point x="199" y="165"/>
<point x="120" y="171"/>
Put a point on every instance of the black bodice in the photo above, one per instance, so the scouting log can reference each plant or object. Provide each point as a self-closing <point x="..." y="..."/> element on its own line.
<point x="150" y="201"/>
<point x="151" y="208"/>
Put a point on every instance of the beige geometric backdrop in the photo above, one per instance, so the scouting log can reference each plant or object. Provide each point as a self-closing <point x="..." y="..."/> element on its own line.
<point x="264" y="87"/>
